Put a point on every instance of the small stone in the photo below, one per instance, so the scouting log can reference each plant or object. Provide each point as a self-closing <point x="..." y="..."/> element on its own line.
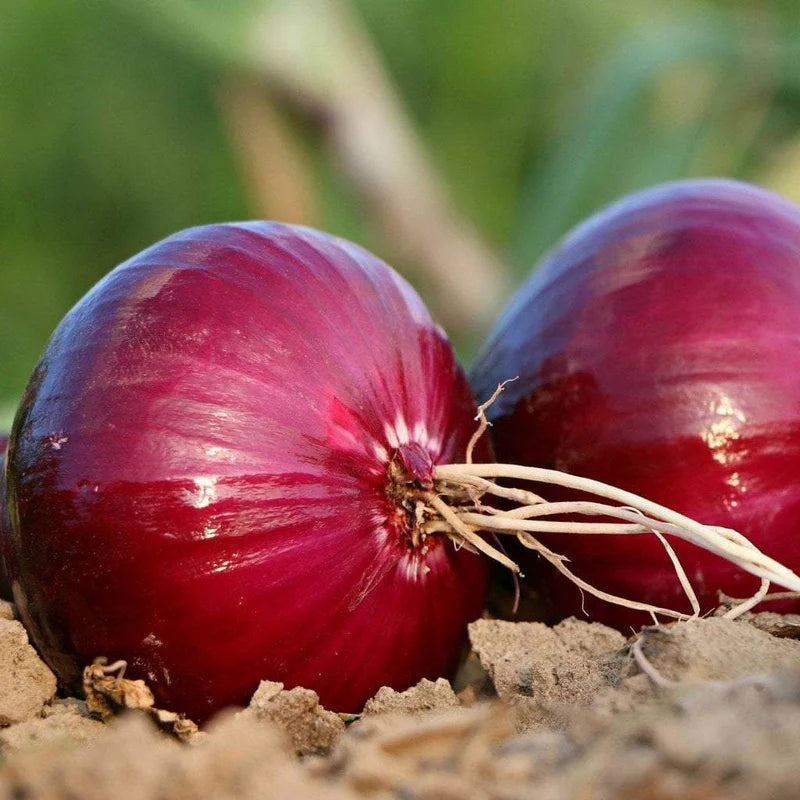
<point x="26" y="683"/>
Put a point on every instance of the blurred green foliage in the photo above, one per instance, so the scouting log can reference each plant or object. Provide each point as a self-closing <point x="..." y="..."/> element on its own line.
<point x="535" y="113"/>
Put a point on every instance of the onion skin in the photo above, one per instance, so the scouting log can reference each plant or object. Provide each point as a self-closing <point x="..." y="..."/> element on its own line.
<point x="5" y="585"/>
<point x="658" y="349"/>
<point x="198" y="475"/>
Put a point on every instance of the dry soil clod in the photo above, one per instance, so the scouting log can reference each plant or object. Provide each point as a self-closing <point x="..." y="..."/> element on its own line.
<point x="425" y="696"/>
<point x="26" y="683"/>
<point x="297" y="712"/>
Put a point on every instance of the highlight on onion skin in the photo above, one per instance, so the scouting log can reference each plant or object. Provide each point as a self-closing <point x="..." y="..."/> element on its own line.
<point x="657" y="350"/>
<point x="208" y="474"/>
<point x="5" y="586"/>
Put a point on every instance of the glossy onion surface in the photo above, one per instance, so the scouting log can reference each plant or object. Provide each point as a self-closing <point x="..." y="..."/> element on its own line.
<point x="658" y="349"/>
<point x="199" y="474"/>
<point x="5" y="586"/>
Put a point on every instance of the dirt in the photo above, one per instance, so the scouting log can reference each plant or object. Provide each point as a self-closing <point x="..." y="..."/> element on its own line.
<point x="425" y="696"/>
<point x="65" y="722"/>
<point x="6" y="610"/>
<point x="297" y="712"/>
<point x="566" y="663"/>
<point x="707" y="709"/>
<point x="26" y="684"/>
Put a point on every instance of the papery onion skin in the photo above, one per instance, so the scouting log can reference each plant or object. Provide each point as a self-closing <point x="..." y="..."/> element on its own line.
<point x="658" y="349"/>
<point x="5" y="585"/>
<point x="198" y="475"/>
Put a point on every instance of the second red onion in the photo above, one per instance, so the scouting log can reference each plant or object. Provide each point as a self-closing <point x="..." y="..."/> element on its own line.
<point x="658" y="349"/>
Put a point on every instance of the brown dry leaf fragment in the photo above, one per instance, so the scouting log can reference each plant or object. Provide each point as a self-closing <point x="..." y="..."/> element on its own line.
<point x="178" y="725"/>
<point x="108" y="693"/>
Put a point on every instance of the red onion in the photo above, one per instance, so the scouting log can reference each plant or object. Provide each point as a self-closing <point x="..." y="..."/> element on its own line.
<point x="5" y="586"/>
<point x="210" y="475"/>
<point x="658" y="350"/>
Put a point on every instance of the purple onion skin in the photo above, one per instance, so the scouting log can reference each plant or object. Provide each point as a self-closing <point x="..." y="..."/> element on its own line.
<point x="198" y="475"/>
<point x="5" y="585"/>
<point x="658" y="349"/>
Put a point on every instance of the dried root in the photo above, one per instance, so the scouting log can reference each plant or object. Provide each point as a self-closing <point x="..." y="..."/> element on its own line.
<point x="459" y="498"/>
<point x="656" y="678"/>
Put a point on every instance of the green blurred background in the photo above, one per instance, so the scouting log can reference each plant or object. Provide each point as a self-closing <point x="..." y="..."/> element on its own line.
<point x="458" y="139"/>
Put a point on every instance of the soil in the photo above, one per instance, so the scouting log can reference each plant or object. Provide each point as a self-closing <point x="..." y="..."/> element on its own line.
<point x="708" y="709"/>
